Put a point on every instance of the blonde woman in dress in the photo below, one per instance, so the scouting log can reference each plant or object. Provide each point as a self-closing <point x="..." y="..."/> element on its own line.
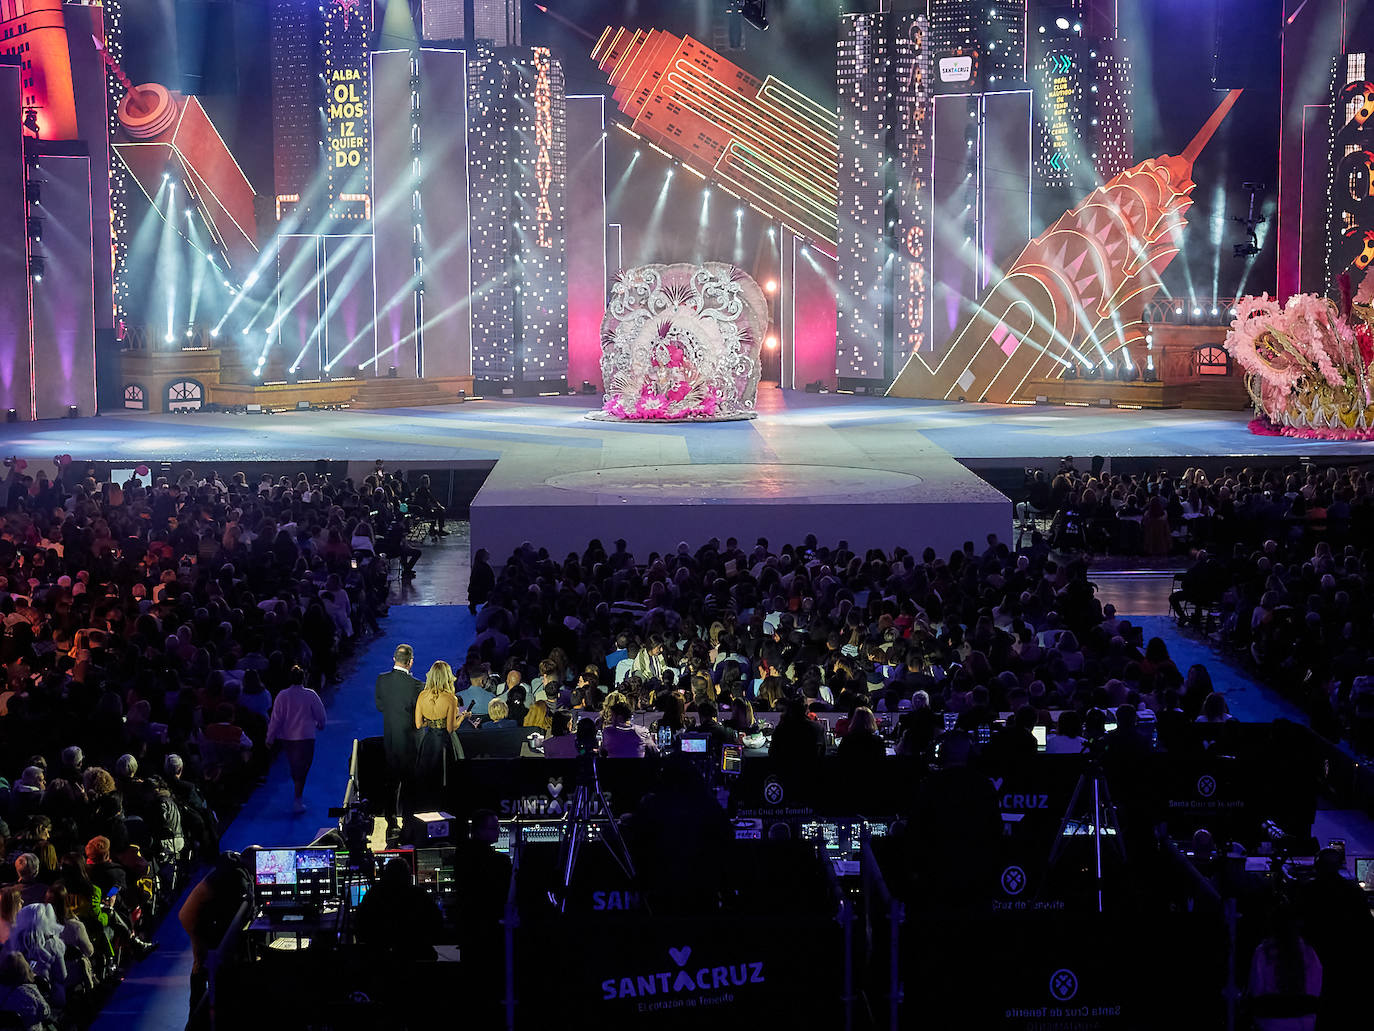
<point x="438" y="716"/>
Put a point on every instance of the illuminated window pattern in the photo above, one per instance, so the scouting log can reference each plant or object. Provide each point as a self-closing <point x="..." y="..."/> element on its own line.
<point x="914" y="74"/>
<point x="994" y="29"/>
<point x="518" y="167"/>
<point x="861" y="77"/>
<point x="113" y="15"/>
<point x="297" y="100"/>
<point x="1086" y="134"/>
<point x="763" y="140"/>
<point x="883" y="74"/>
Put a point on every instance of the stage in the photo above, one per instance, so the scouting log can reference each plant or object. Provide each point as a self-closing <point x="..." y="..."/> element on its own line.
<point x="871" y="469"/>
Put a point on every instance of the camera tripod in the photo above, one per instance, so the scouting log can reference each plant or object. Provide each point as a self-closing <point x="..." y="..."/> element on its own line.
<point x="577" y="823"/>
<point x="1098" y="809"/>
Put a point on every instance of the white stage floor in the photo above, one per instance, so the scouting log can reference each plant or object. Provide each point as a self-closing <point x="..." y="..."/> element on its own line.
<point x="485" y="430"/>
<point x="809" y="463"/>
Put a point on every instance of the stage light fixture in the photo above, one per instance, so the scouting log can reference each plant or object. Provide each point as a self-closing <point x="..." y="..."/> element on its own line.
<point x="168" y="338"/>
<point x="214" y="331"/>
<point x="73" y="411"/>
<point x="37" y="266"/>
<point x="771" y="286"/>
<point x="11" y="415"/>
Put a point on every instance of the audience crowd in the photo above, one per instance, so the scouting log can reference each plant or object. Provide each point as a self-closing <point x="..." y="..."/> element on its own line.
<point x="147" y="628"/>
<point x="718" y="635"/>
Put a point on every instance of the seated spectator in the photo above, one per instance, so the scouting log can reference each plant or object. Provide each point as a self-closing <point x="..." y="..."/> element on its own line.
<point x="104" y="874"/>
<point x="20" y="998"/>
<point x="398" y="916"/>
<point x="861" y="740"/>
<point x="31" y="889"/>
<point x="798" y="737"/>
<point x="76" y="941"/>
<point x="498" y="717"/>
<point x="11" y="902"/>
<point x="37" y="937"/>
<point x="562" y="744"/>
<point x="622" y="738"/>
<point x="1067" y="738"/>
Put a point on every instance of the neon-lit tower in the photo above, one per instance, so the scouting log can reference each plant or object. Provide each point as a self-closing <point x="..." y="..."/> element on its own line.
<point x="1064" y="301"/>
<point x="883" y="73"/>
<point x="494" y="22"/>
<point x="862" y="306"/>
<point x="518" y="168"/>
<point x="761" y="140"/>
<point x="992" y="32"/>
<point x="1083" y="80"/>
<point x="298" y="92"/>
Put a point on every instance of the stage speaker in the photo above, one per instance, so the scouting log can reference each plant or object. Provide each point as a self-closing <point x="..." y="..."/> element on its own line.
<point x="302" y="406"/>
<point x="1151" y="375"/>
<point x="1245" y="43"/>
<point x="1070" y="372"/>
<point x="253" y="409"/>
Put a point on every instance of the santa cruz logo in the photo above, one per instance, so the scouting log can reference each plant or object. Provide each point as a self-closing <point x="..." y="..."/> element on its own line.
<point x="772" y="791"/>
<point x="1013" y="880"/>
<point x="1063" y="984"/>
<point x="1206" y="785"/>
<point x="684" y="980"/>
<point x="555" y="803"/>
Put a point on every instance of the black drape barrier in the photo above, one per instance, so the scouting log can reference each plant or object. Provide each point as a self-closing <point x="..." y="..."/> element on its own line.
<point x="1056" y="972"/>
<point x="1229" y="779"/>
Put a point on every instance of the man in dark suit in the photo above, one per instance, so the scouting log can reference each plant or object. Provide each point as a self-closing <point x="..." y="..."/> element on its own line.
<point x="397" y="693"/>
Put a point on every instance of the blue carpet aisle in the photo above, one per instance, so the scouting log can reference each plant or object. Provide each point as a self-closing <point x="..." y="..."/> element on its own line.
<point x="154" y="996"/>
<point x="1250" y="702"/>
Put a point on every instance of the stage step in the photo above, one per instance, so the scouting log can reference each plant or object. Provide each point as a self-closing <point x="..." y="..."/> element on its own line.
<point x="385" y="392"/>
<point x="1218" y="394"/>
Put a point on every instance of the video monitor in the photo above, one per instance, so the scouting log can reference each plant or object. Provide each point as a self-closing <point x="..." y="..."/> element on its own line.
<point x="315" y="875"/>
<point x="382" y="856"/>
<point x="303" y="874"/>
<point x="274" y="874"/>
<point x="1041" y="737"/>
<point x="434" y="869"/>
<point x="694" y="744"/>
<point x="1364" y="872"/>
<point x="731" y="759"/>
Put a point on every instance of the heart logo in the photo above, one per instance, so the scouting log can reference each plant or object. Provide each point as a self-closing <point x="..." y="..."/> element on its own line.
<point x="682" y="955"/>
<point x="555" y="786"/>
<point x="997" y="783"/>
